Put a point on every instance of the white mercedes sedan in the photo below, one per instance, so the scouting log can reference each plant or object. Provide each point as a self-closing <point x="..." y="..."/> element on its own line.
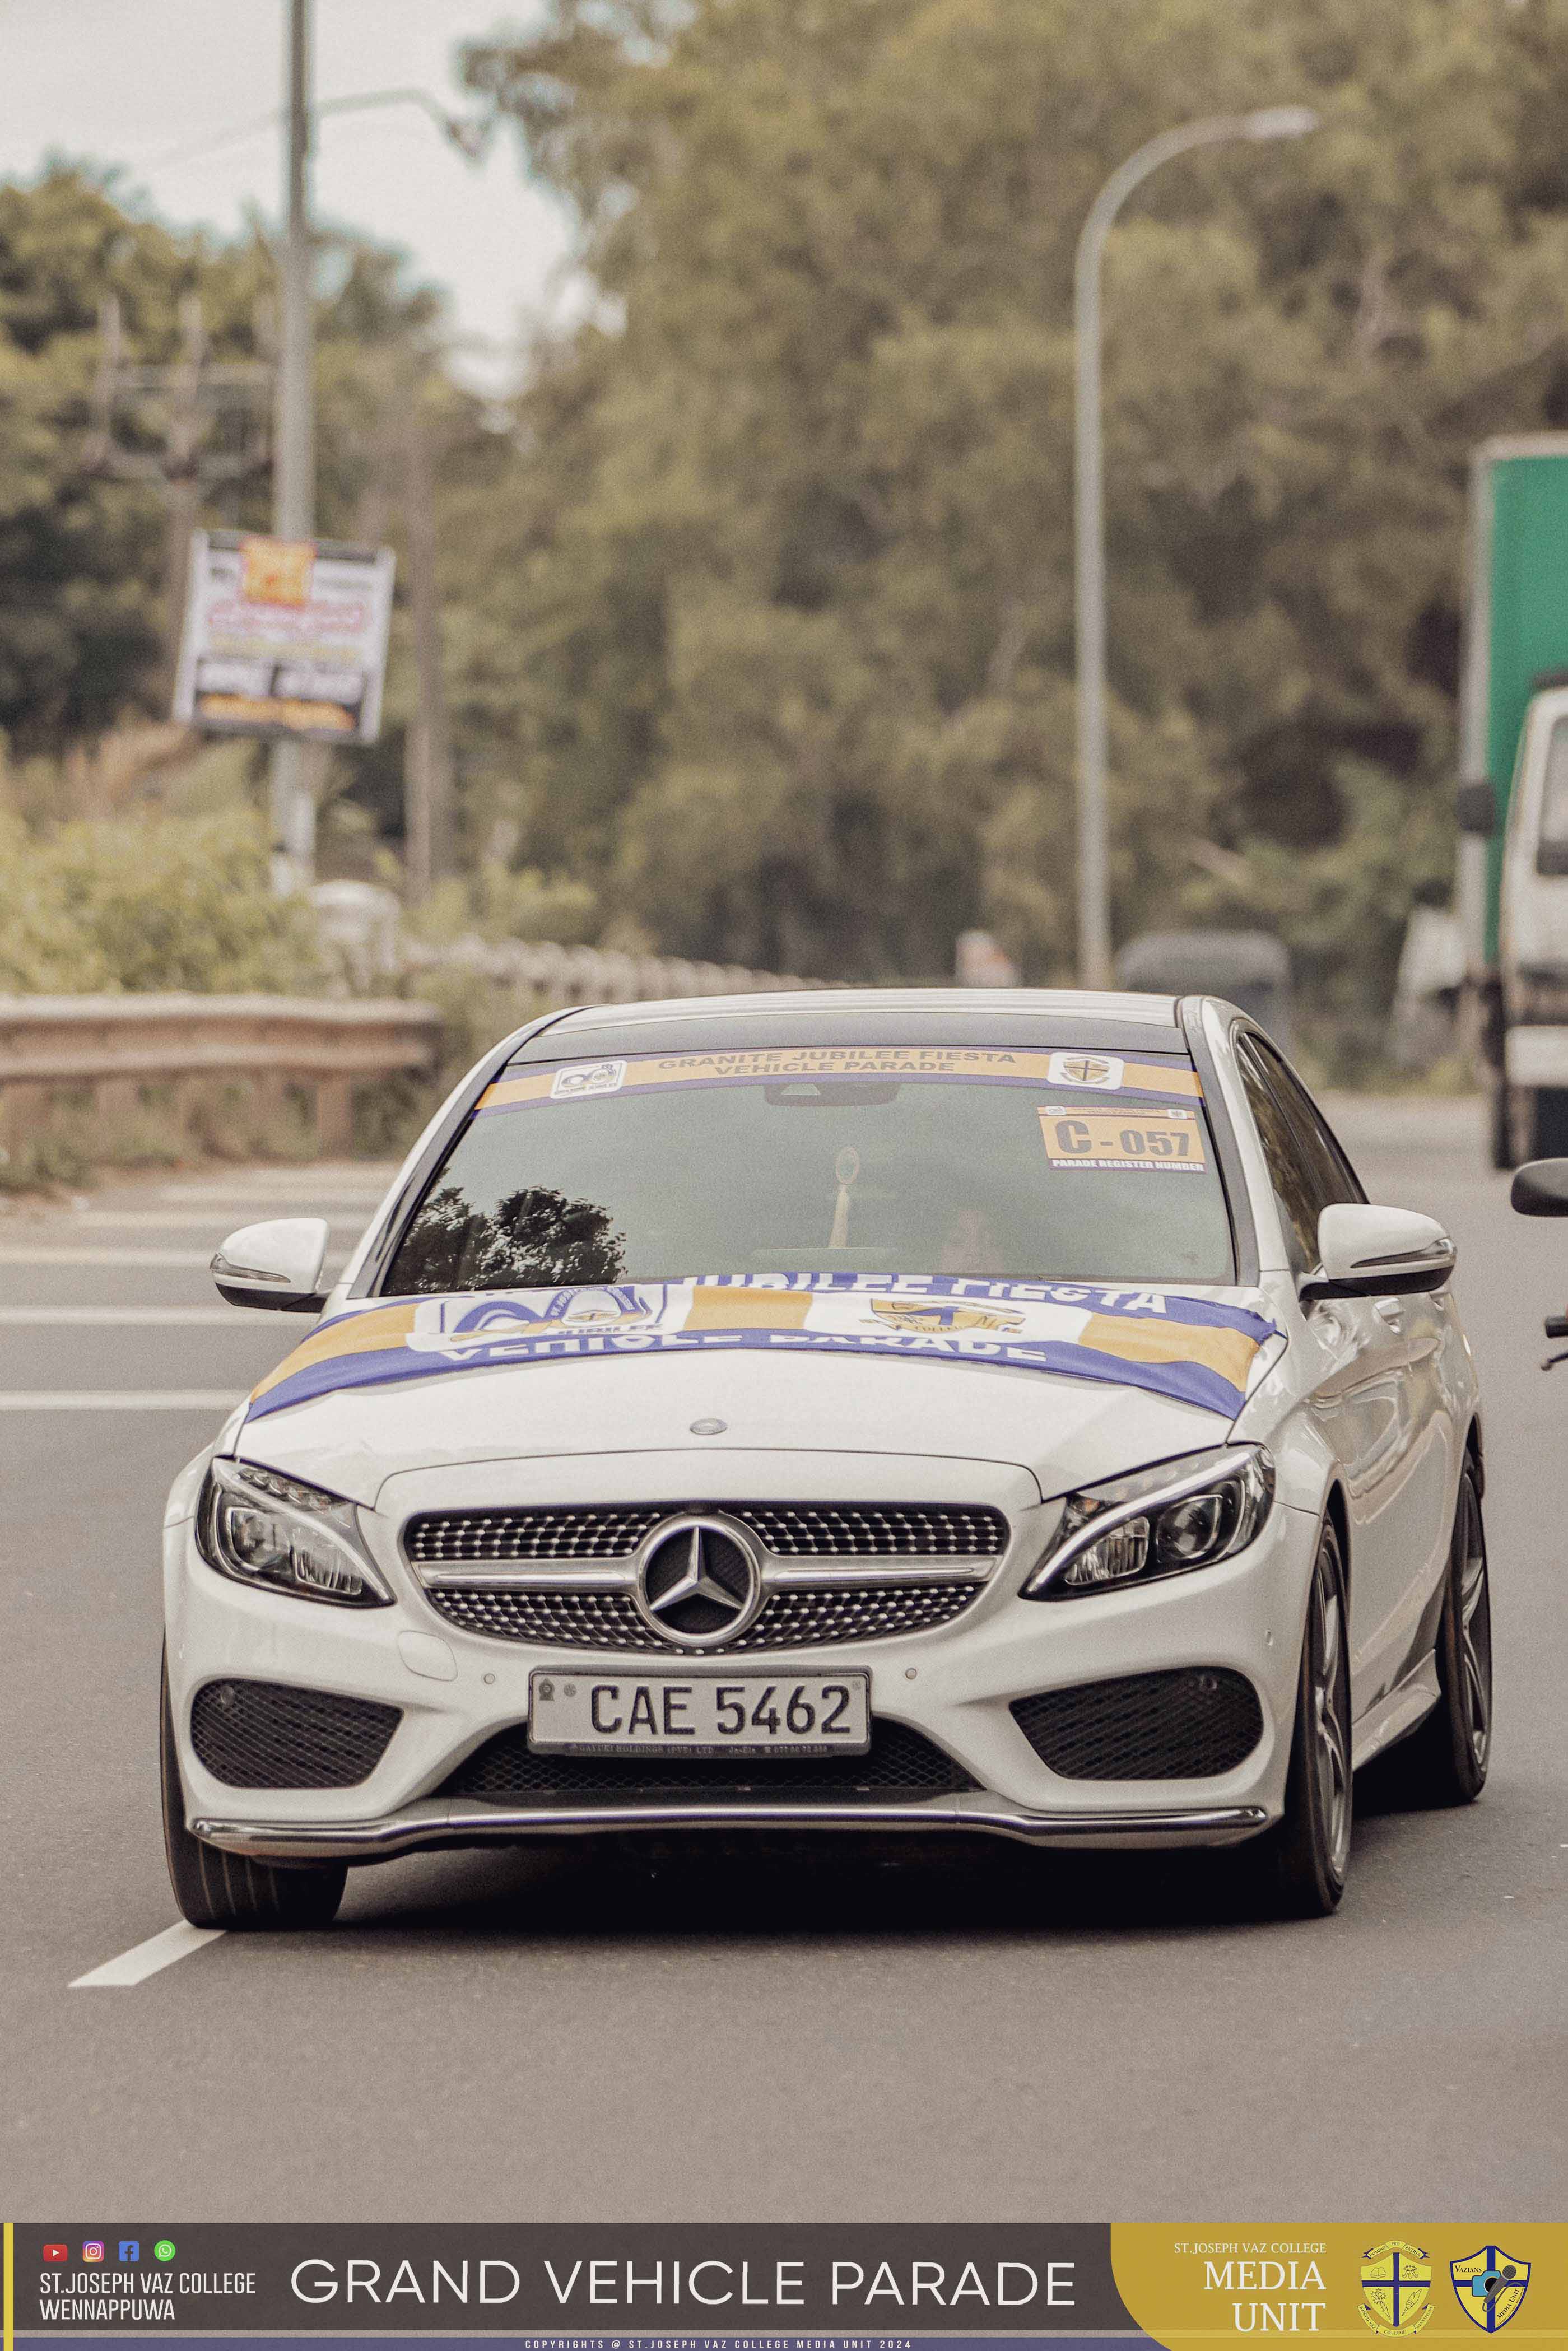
<point x="973" y="1412"/>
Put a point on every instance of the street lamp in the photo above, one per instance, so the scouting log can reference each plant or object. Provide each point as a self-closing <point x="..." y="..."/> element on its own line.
<point x="295" y="766"/>
<point x="1093" y="857"/>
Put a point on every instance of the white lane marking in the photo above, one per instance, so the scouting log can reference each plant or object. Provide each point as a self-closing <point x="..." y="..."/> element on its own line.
<point x="46" y="1253"/>
<point x="117" y="1399"/>
<point x="135" y="1966"/>
<point x="163" y="1317"/>
<point x="50" y="1253"/>
<point x="243" y="1195"/>
<point x="171" y="1220"/>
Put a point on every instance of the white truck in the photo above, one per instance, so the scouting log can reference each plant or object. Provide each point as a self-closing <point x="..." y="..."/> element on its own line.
<point x="1514" y="801"/>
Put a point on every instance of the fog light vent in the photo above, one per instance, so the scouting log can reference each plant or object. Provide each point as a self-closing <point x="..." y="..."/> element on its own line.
<point x="1189" y="1724"/>
<point x="270" y="1735"/>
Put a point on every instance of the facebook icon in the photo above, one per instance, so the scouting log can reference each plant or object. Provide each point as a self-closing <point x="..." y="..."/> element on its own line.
<point x="130" y="2248"/>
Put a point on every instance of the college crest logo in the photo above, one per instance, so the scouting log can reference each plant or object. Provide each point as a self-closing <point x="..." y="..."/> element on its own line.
<point x="1102" y="1070"/>
<point x="943" y="1314"/>
<point x="1491" y="2285"/>
<point x="1396" y="2288"/>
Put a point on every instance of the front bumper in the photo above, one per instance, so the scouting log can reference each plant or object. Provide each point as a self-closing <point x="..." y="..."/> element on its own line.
<point x="953" y="1682"/>
<point x="432" y="1827"/>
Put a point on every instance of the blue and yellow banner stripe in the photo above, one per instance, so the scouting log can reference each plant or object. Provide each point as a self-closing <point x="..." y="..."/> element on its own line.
<point x="1195" y="1351"/>
<point x="1080" y="1076"/>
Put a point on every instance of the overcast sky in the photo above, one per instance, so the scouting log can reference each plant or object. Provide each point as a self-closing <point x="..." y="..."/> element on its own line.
<point x="138" y="82"/>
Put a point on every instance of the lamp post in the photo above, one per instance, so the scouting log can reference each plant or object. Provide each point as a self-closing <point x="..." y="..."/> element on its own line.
<point x="297" y="766"/>
<point x="1093" y="847"/>
<point x="292" y="794"/>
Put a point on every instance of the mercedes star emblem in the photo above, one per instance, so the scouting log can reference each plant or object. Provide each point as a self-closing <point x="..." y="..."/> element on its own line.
<point x="699" y="1581"/>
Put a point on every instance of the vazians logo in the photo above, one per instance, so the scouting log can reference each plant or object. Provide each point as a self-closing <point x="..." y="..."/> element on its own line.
<point x="485" y="1332"/>
<point x="1490" y="2285"/>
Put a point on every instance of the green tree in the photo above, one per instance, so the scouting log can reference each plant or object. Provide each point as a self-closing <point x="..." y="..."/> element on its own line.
<point x="796" y="582"/>
<point x="82" y="554"/>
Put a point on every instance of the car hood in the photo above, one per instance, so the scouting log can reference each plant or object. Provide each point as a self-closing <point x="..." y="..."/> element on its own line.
<point x="1065" y="1430"/>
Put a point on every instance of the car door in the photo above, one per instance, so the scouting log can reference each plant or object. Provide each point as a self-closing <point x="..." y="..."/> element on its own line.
<point x="1357" y="1383"/>
<point x="1406" y="1547"/>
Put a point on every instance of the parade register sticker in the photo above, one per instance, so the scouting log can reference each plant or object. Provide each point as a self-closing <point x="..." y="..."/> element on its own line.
<point x="1152" y="1142"/>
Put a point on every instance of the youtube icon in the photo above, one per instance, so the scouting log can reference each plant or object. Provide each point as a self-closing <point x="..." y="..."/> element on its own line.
<point x="56" y="2253"/>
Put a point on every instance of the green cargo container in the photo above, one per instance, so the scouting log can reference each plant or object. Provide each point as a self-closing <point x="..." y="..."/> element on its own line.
<point x="1516" y="646"/>
<point x="1518" y="623"/>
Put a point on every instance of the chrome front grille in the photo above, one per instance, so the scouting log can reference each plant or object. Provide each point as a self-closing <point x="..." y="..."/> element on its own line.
<point x="828" y="1572"/>
<point x="491" y="1536"/>
<point x="790" y="1620"/>
<point x="788" y="1530"/>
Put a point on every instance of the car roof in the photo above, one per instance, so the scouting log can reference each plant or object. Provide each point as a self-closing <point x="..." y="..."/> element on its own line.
<point x="1054" y="1018"/>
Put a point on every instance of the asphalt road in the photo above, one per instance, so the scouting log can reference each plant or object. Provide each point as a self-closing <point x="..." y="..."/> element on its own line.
<point x="998" y="2035"/>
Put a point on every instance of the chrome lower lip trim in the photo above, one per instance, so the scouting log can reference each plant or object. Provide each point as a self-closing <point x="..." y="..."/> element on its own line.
<point x="401" y="1832"/>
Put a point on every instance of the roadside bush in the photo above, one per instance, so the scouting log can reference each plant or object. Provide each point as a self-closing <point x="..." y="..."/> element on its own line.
<point x="145" y="903"/>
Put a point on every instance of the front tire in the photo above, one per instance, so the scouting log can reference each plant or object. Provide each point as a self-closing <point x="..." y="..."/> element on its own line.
<point x="215" y="1888"/>
<point x="1307" y="1857"/>
<point x="1444" y="1760"/>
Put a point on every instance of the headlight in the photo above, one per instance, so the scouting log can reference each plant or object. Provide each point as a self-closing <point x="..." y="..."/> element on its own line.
<point x="1160" y="1522"/>
<point x="259" y="1527"/>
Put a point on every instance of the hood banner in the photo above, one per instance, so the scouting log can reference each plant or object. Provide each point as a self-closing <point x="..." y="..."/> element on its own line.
<point x="1193" y="1351"/>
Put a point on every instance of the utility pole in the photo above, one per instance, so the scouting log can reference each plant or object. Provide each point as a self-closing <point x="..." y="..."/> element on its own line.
<point x="296" y="767"/>
<point x="427" y="773"/>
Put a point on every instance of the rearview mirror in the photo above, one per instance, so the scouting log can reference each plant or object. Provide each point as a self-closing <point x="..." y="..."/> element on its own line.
<point x="1370" y="1252"/>
<point x="277" y="1264"/>
<point x="1540" y="1188"/>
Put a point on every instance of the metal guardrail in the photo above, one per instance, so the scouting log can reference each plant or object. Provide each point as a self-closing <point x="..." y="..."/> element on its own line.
<point x="558" y="975"/>
<point x="95" y="1057"/>
<point x="95" y="1062"/>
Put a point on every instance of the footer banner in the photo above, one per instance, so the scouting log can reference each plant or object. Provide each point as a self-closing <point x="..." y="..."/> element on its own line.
<point x="597" y="2286"/>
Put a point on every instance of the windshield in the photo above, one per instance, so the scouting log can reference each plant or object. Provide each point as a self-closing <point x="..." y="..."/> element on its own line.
<point x="1554" y="833"/>
<point x="1020" y="1165"/>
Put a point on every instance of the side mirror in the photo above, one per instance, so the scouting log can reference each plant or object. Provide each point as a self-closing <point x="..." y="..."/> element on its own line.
<point x="1540" y="1188"/>
<point x="1475" y="807"/>
<point x="277" y="1264"/>
<point x="1368" y="1252"/>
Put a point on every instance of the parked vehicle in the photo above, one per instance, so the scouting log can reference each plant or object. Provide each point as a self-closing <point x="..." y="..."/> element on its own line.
<point x="929" y="1410"/>
<point x="1513" y="802"/>
<point x="1250" y="968"/>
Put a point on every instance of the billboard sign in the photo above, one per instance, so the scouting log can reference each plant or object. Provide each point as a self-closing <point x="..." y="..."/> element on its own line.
<point x="284" y="638"/>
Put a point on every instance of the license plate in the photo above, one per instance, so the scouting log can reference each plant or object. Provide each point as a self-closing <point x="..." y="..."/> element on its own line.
<point x="699" y="1714"/>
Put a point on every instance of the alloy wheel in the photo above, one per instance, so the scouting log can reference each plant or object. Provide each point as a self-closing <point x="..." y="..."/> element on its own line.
<point x="1474" y="1629"/>
<point x="1330" y="1729"/>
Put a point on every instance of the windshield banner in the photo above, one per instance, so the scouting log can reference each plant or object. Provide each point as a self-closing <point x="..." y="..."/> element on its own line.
<point x="1076" y="1074"/>
<point x="1195" y="1351"/>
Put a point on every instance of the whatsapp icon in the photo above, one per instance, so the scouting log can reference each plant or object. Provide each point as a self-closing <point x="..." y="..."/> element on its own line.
<point x="163" y="2251"/>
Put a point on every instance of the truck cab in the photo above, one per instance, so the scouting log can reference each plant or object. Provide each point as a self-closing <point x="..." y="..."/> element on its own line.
<point x="1532" y="938"/>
